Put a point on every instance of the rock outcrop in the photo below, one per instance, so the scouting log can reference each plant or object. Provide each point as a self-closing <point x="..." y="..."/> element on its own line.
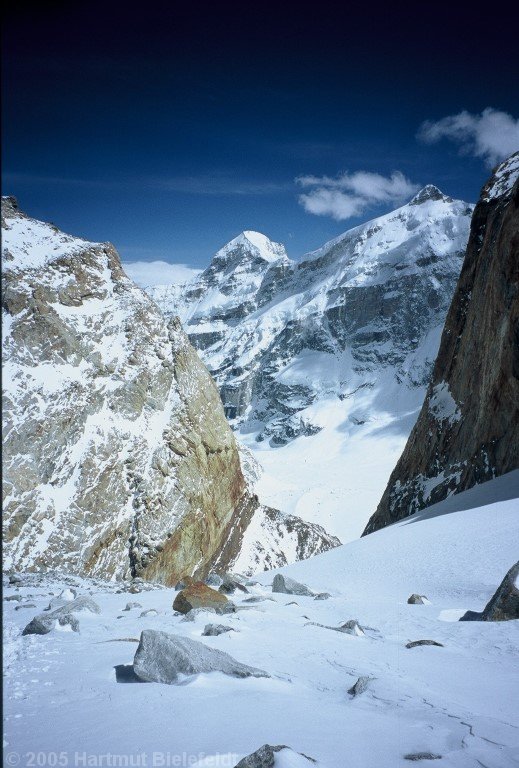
<point x="504" y="604"/>
<point x="118" y="459"/>
<point x="468" y="428"/>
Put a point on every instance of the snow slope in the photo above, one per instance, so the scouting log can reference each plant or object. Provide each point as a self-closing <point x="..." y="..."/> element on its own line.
<point x="458" y="701"/>
<point x="326" y="361"/>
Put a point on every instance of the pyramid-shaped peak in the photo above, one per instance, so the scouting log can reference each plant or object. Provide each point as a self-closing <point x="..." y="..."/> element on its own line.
<point x="255" y="243"/>
<point x="429" y="192"/>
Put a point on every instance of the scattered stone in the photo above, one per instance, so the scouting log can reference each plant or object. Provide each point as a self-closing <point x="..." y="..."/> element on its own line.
<point x="45" y="622"/>
<point x="129" y="606"/>
<point x="265" y="757"/>
<point x="293" y="603"/>
<point x="322" y="596"/>
<point x="504" y="604"/>
<point x="423" y="642"/>
<point x="229" y="585"/>
<point x="149" y="612"/>
<point x="161" y="658"/>
<point x="27" y="605"/>
<point x="14" y="578"/>
<point x="422" y="756"/>
<point x="360" y="686"/>
<point x="351" y="627"/>
<point x="213" y="630"/>
<point x="134" y="589"/>
<point x="289" y="586"/>
<point x="194" y="612"/>
<point x="212" y="580"/>
<point x="417" y="600"/>
<point x="258" y="599"/>
<point x="10" y="598"/>
<point x="199" y="595"/>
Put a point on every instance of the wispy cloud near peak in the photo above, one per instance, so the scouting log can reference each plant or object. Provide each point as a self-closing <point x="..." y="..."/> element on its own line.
<point x="492" y="135"/>
<point x="350" y="194"/>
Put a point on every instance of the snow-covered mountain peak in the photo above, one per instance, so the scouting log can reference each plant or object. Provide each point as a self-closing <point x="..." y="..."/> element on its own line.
<point x="429" y="192"/>
<point x="249" y="243"/>
<point x="503" y="179"/>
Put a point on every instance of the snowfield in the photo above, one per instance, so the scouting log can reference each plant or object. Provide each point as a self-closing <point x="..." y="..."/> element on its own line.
<point x="458" y="701"/>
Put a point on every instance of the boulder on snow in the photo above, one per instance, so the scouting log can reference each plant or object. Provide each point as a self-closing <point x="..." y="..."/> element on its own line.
<point x="45" y="623"/>
<point x="15" y="598"/>
<point x="416" y="756"/>
<point x="265" y="757"/>
<point x="149" y="612"/>
<point x="212" y="580"/>
<point x="360" y="686"/>
<point x="415" y="643"/>
<point x="162" y="658"/>
<point x="504" y="604"/>
<point x="289" y="586"/>
<point x="415" y="599"/>
<point x="14" y="578"/>
<point x="351" y="627"/>
<point x="199" y="595"/>
<point x="230" y="584"/>
<point x="213" y="630"/>
<point x="129" y="606"/>
<point x="322" y="596"/>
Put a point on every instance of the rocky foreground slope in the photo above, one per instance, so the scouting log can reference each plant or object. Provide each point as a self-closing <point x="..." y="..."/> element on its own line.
<point x="118" y="459"/>
<point x="468" y="428"/>
<point x="279" y="336"/>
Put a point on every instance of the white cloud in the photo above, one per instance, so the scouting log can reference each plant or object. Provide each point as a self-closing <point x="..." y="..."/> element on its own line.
<point x="493" y="135"/>
<point x="146" y="273"/>
<point x="350" y="194"/>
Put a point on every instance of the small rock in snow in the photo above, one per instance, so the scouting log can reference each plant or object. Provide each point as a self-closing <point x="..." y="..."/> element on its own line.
<point x="322" y="596"/>
<point x="417" y="599"/>
<point x="129" y="606"/>
<point x="422" y="756"/>
<point x="414" y="643"/>
<point x="149" y="612"/>
<point x="360" y="686"/>
<point x="265" y="757"/>
<point x="213" y="630"/>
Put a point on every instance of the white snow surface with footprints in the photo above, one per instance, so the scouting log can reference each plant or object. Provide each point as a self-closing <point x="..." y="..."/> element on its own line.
<point x="458" y="701"/>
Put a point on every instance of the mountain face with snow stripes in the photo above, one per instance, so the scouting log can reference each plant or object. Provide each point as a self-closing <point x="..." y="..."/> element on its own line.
<point x="278" y="336"/>
<point x="468" y="428"/>
<point x="117" y="457"/>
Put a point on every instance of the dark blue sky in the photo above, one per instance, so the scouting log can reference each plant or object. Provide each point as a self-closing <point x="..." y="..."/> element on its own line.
<point x="167" y="128"/>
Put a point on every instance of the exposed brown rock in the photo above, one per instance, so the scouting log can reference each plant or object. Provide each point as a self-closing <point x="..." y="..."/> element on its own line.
<point x="199" y="595"/>
<point x="468" y="429"/>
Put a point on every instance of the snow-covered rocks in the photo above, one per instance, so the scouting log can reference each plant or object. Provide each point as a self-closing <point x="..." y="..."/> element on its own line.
<point x="360" y="686"/>
<point x="165" y="658"/>
<point x="288" y="586"/>
<point x="280" y="755"/>
<point x="415" y="599"/>
<point x="213" y="630"/>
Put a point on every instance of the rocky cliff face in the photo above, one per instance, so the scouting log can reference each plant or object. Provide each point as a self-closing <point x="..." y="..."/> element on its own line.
<point x="118" y="459"/>
<point x="279" y="337"/>
<point x="468" y="428"/>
